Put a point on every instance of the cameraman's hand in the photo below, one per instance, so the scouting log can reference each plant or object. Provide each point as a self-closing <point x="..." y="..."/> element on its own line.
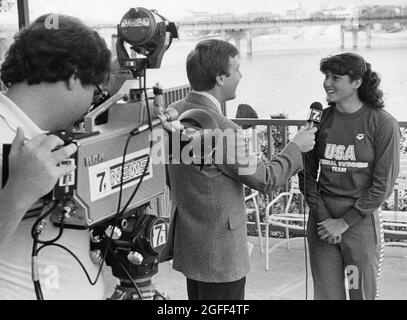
<point x="35" y="165"/>
<point x="305" y="139"/>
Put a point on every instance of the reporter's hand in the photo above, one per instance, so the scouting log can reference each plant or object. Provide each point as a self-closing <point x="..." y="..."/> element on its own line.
<point x="35" y="165"/>
<point x="305" y="139"/>
<point x="173" y="126"/>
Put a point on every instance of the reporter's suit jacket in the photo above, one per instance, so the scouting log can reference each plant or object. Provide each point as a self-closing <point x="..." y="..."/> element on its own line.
<point x="207" y="236"/>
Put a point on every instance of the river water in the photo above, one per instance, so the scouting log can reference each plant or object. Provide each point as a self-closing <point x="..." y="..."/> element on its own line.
<point x="283" y="73"/>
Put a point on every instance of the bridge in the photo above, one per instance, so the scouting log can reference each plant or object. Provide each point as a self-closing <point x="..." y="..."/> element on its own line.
<point x="259" y="23"/>
<point x="237" y="29"/>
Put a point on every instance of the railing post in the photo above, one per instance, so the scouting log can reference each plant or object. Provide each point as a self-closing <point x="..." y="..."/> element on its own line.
<point x="284" y="131"/>
<point x="271" y="151"/>
<point x="396" y="200"/>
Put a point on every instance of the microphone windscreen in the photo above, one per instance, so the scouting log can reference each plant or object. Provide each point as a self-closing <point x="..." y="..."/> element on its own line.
<point x="316" y="105"/>
<point x="315" y="113"/>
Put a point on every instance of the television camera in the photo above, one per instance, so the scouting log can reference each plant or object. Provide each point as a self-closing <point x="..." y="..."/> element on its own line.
<point x="116" y="191"/>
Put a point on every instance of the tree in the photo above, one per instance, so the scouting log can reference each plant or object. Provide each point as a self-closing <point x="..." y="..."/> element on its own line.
<point x="6" y="5"/>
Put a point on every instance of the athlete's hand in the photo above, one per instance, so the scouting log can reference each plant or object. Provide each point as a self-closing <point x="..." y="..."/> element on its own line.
<point x="332" y="228"/>
<point x="334" y="241"/>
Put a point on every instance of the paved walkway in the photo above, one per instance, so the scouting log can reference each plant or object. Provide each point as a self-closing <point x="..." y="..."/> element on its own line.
<point x="286" y="278"/>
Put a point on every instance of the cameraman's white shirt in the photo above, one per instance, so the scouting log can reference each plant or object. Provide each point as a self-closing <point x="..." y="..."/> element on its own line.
<point x="61" y="276"/>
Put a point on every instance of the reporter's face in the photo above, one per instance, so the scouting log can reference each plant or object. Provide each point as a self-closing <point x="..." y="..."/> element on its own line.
<point x="231" y="82"/>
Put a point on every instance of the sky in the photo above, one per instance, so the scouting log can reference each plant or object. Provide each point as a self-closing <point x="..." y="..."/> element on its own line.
<point x="113" y="10"/>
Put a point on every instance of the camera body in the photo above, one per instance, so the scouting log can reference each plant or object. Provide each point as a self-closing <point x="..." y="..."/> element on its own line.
<point x="95" y="186"/>
<point x="98" y="185"/>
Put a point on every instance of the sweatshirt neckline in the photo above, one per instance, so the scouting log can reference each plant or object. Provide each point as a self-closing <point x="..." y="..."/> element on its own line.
<point x="352" y="115"/>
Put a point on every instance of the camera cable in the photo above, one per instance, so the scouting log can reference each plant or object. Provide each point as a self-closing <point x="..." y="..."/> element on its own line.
<point x="39" y="225"/>
<point x="305" y="232"/>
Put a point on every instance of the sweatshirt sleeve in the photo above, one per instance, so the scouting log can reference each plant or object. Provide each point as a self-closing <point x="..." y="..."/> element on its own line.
<point x="309" y="186"/>
<point x="385" y="172"/>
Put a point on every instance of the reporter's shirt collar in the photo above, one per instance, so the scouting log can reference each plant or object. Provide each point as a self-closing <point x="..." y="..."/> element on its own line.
<point x="212" y="98"/>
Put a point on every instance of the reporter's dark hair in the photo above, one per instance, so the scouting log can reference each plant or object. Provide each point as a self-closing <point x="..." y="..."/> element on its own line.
<point x="209" y="59"/>
<point x="356" y="68"/>
<point x="45" y="53"/>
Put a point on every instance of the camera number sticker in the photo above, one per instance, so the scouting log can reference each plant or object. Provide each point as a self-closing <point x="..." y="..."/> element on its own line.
<point x="105" y="178"/>
<point x="69" y="179"/>
<point x="159" y="235"/>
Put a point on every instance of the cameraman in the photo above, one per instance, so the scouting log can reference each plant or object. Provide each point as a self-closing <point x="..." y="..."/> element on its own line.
<point x="208" y="236"/>
<point x="51" y="71"/>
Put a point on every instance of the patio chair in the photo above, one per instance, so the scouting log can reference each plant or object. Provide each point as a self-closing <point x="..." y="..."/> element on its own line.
<point x="284" y="219"/>
<point x="395" y="227"/>
<point x="250" y="133"/>
<point x="254" y="196"/>
<point x="394" y="221"/>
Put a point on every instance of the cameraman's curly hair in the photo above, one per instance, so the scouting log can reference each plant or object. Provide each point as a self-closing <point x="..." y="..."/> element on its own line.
<point x="356" y="68"/>
<point x="43" y="52"/>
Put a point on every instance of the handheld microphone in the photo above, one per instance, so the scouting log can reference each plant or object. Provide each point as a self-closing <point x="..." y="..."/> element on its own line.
<point x="169" y="115"/>
<point x="315" y="114"/>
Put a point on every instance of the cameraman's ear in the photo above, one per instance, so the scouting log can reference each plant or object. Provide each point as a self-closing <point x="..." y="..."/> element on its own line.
<point x="71" y="81"/>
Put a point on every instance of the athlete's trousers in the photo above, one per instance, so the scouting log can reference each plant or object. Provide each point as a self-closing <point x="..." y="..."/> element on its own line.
<point x="359" y="255"/>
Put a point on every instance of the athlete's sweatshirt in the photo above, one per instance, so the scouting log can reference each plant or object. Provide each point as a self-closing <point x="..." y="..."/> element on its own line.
<point x="357" y="156"/>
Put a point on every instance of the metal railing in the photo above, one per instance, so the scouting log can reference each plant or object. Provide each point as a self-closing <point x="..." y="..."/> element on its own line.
<point x="172" y="95"/>
<point x="175" y="94"/>
<point x="286" y="125"/>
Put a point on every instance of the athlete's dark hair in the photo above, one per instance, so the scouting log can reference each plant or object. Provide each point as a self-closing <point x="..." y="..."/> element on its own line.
<point x="356" y="67"/>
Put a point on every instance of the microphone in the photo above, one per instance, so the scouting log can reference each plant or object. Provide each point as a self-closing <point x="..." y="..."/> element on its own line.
<point x="315" y="115"/>
<point x="169" y="115"/>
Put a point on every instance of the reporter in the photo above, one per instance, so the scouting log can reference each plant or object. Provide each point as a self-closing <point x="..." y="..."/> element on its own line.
<point x="208" y="236"/>
<point x="348" y="175"/>
<point x="51" y="74"/>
